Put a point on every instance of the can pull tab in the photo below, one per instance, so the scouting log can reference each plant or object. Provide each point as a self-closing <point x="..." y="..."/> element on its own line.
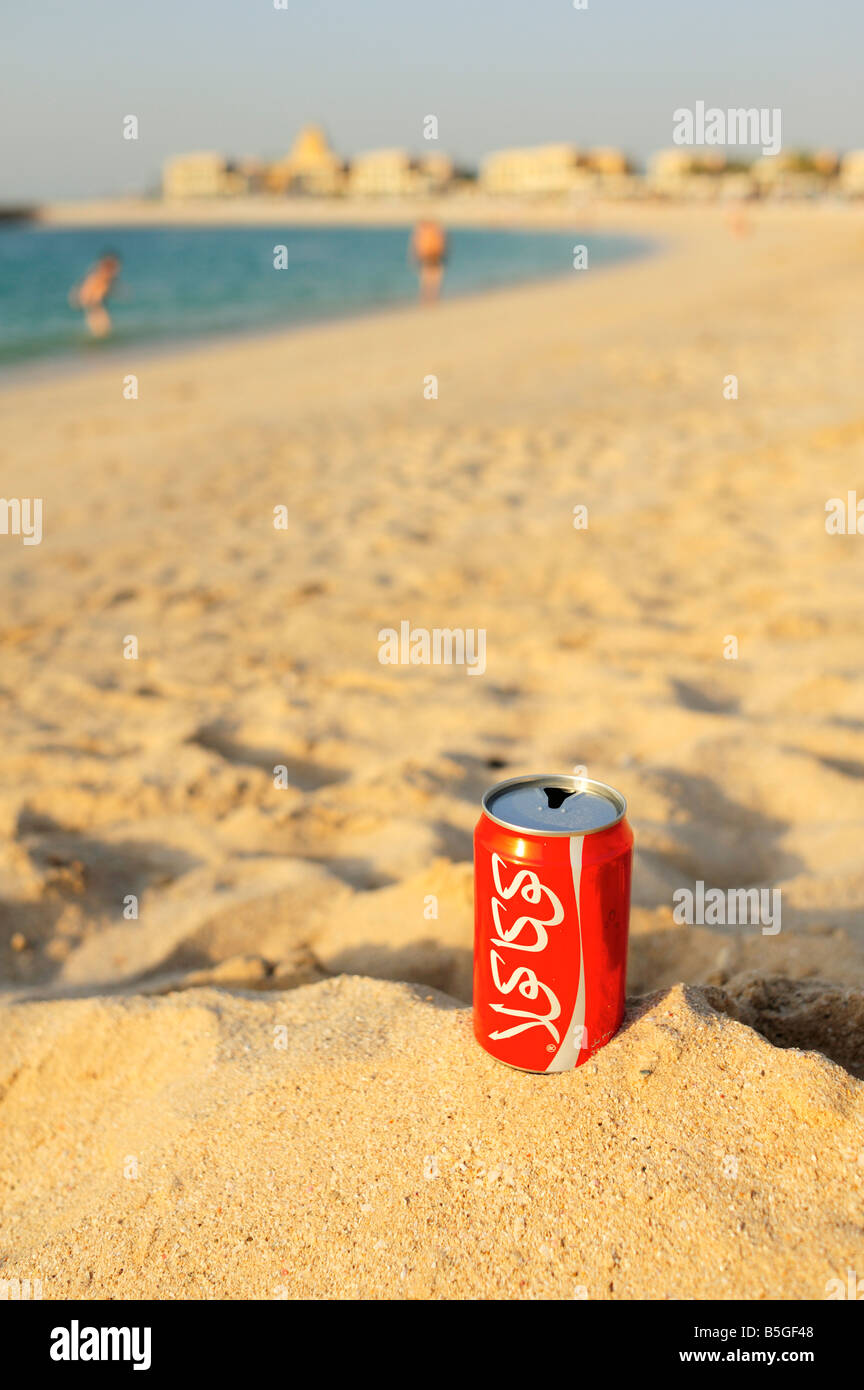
<point x="556" y="796"/>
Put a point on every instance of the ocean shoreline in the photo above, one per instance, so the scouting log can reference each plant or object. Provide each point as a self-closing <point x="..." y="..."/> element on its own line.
<point x="92" y="356"/>
<point x="663" y="226"/>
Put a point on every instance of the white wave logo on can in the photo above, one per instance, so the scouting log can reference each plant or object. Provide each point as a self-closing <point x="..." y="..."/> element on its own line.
<point x="523" y="977"/>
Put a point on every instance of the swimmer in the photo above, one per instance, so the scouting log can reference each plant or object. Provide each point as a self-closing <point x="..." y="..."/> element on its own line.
<point x="93" y="291"/>
<point x="429" y="249"/>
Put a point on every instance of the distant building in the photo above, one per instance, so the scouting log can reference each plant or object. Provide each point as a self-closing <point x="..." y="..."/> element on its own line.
<point x="852" y="173"/>
<point x="382" y="173"/>
<point x="202" y="175"/>
<point x="794" y="173"/>
<point x="608" y="172"/>
<point x="826" y="162"/>
<point x="396" y="174"/>
<point x="706" y="175"/>
<point x="546" y="170"/>
<point x="251" y="174"/>
<point x="310" y="167"/>
<point x="437" y="172"/>
<point x="669" y="172"/>
<point x="608" y="162"/>
<point x="541" y="169"/>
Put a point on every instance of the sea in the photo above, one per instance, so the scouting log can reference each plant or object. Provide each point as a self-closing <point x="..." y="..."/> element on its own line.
<point x="182" y="283"/>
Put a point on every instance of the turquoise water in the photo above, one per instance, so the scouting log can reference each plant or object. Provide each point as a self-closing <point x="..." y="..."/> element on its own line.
<point x="192" y="282"/>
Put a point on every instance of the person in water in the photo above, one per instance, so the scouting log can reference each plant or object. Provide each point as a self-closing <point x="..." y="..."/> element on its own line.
<point x="429" y="249"/>
<point x="93" y="291"/>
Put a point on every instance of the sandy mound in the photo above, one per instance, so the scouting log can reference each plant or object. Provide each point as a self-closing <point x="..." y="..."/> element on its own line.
<point x="802" y="1014"/>
<point x="349" y="1139"/>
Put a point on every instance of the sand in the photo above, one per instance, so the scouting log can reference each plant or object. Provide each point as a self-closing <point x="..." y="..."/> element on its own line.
<point x="264" y="1085"/>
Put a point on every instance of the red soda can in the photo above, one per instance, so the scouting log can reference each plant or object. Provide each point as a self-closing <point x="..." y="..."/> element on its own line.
<point x="552" y="858"/>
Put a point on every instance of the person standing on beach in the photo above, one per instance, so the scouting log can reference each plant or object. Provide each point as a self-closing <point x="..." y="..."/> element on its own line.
<point x="93" y="291"/>
<point x="429" y="249"/>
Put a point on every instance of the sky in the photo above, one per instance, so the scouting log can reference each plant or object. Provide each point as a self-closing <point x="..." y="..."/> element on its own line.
<point x="241" y="76"/>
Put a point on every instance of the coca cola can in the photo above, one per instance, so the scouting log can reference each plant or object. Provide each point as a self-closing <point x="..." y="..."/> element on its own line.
<point x="552" y="859"/>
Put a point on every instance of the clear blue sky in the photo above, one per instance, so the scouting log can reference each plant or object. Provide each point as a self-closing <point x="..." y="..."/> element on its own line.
<point x="241" y="77"/>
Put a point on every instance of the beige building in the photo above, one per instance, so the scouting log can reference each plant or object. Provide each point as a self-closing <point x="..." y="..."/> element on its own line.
<point x="202" y="175"/>
<point x="706" y="175"/>
<point x="311" y="167"/>
<point x="437" y="172"/>
<point x="382" y="173"/>
<point x="826" y="162"/>
<point x="609" y="173"/>
<point x="852" y="173"/>
<point x="608" y="162"/>
<point x="543" y="170"/>
<point x="669" y="172"/>
<point x="540" y="169"/>
<point x="794" y="173"/>
<point x="396" y="174"/>
<point x="252" y="173"/>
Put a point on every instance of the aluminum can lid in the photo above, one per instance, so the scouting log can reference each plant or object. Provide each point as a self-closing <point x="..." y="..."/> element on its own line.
<point x="554" y="805"/>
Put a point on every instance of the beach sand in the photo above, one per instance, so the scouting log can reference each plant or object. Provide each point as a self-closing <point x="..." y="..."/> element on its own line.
<point x="206" y="1100"/>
